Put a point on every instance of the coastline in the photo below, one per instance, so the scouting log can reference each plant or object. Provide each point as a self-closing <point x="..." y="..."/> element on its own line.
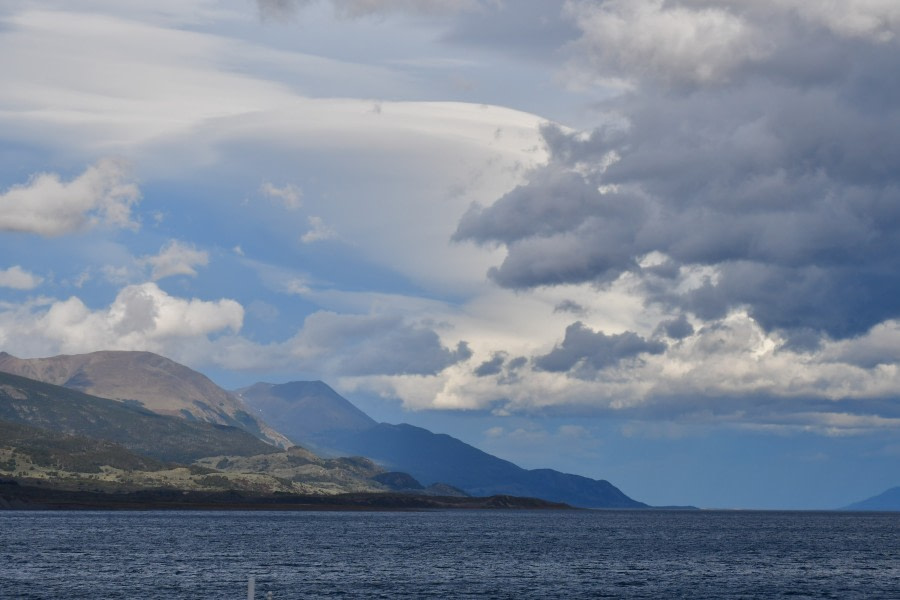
<point x="14" y="496"/>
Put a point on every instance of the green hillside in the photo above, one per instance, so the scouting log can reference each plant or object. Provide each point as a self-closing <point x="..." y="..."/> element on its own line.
<point x="54" y="408"/>
<point x="60" y="451"/>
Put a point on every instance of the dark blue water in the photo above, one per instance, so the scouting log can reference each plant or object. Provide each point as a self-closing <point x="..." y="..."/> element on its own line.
<point x="452" y="554"/>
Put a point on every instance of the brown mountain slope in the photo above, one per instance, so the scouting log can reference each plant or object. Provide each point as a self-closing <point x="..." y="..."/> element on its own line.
<point x="163" y="437"/>
<point x="152" y="381"/>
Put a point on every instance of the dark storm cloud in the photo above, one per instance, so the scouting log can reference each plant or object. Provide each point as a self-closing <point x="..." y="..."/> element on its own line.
<point x="517" y="363"/>
<point x="779" y="168"/>
<point x="677" y="329"/>
<point x="491" y="367"/>
<point x="569" y="306"/>
<point x="558" y="228"/>
<point x="585" y="351"/>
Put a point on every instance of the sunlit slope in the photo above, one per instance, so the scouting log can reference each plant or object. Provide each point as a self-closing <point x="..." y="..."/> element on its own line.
<point x="168" y="438"/>
<point x="149" y="380"/>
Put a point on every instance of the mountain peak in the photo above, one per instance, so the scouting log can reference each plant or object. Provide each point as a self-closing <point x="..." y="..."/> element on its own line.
<point x="150" y="380"/>
<point x="287" y="407"/>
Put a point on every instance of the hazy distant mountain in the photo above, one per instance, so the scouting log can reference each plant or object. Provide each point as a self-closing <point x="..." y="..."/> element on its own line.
<point x="427" y="456"/>
<point x="146" y="379"/>
<point x="286" y="404"/>
<point x="168" y="438"/>
<point x="888" y="501"/>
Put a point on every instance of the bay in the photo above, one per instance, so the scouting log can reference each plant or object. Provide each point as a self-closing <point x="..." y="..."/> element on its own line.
<point x="450" y="554"/>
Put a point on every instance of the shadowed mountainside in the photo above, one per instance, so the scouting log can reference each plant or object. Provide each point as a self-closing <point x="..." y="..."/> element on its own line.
<point x="427" y="456"/>
<point x="145" y="379"/>
<point x="332" y="411"/>
<point x="64" y="452"/>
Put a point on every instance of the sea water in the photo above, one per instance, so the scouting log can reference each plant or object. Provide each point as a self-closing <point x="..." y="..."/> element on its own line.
<point x="449" y="554"/>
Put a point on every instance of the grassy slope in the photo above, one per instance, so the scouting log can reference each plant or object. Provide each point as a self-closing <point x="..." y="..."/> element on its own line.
<point x="59" y="409"/>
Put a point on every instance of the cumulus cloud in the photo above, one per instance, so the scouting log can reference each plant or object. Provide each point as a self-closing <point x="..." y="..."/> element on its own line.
<point x="142" y="317"/>
<point x="559" y="228"/>
<point x="584" y="351"/>
<point x="46" y="205"/>
<point x="176" y="258"/>
<point x="17" y="278"/>
<point x="708" y="42"/>
<point x="729" y="373"/>
<point x="289" y="195"/>
<point x="874" y="19"/>
<point x="672" y="41"/>
<point x="769" y="167"/>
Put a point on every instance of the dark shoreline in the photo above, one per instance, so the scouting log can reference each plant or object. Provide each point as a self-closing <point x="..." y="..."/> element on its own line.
<point x="22" y="497"/>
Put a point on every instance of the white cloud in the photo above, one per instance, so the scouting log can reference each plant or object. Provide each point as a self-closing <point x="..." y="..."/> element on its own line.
<point x="142" y="317"/>
<point x="17" y="278"/>
<point x="875" y="19"/>
<point x="176" y="258"/>
<point x="727" y="373"/>
<point x="46" y="205"/>
<point x="706" y="41"/>
<point x="289" y="195"/>
<point x="170" y="12"/>
<point x="670" y="41"/>
<point x="318" y="231"/>
<point x="154" y="81"/>
<point x="157" y="81"/>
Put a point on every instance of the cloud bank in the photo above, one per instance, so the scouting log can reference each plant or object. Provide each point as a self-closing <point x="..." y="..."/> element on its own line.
<point x="734" y="152"/>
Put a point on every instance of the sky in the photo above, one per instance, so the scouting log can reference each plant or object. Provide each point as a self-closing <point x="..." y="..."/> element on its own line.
<point x="654" y="242"/>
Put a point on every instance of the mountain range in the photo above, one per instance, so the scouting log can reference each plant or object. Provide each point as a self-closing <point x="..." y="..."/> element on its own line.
<point x="312" y="414"/>
<point x="147" y="380"/>
<point x="155" y="409"/>
<point x="66" y="439"/>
